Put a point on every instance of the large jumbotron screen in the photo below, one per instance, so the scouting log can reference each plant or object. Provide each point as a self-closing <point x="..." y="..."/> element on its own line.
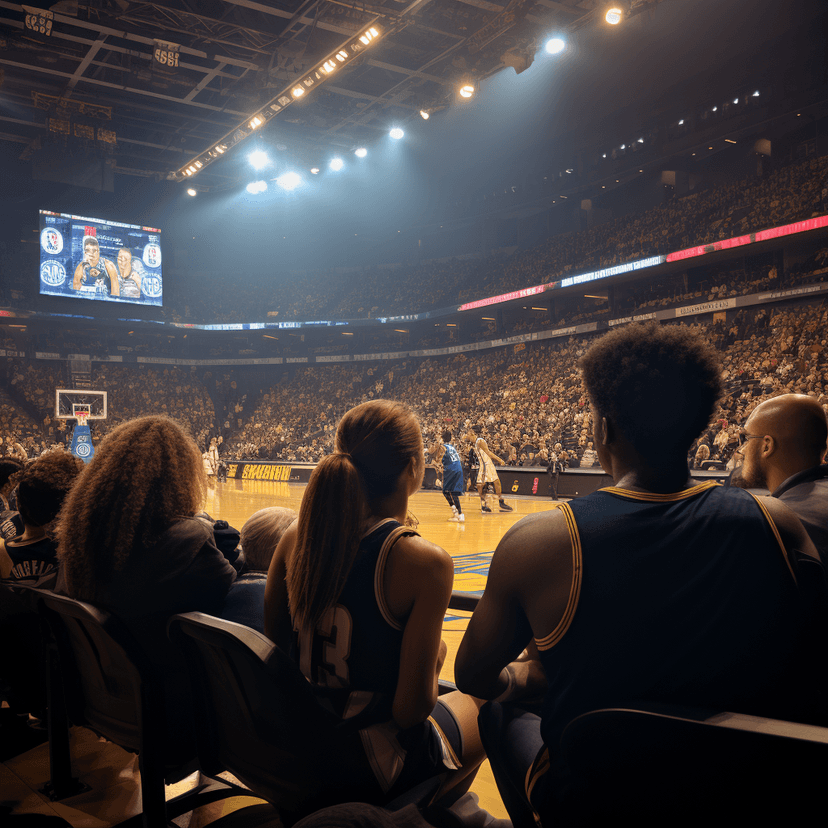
<point x="97" y="259"/>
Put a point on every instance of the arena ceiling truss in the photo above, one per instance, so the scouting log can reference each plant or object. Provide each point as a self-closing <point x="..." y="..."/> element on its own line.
<point x="153" y="84"/>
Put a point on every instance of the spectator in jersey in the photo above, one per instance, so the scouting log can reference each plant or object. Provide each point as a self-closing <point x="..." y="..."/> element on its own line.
<point x="783" y="450"/>
<point x="41" y="489"/>
<point x="260" y="536"/>
<point x="655" y="590"/>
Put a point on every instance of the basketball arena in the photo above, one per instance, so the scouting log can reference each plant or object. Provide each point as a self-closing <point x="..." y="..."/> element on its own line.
<point x="312" y="313"/>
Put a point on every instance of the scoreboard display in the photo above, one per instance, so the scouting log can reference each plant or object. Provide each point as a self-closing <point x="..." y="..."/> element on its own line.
<point x="109" y="261"/>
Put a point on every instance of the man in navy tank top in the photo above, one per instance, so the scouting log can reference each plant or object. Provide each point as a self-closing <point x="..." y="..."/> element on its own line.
<point x="654" y="590"/>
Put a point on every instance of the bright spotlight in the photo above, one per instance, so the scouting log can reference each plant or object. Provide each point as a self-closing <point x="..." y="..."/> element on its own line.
<point x="297" y="91"/>
<point x="396" y="133"/>
<point x="466" y="91"/>
<point x="555" y="45"/>
<point x="258" y="159"/>
<point x="289" y="180"/>
<point x="424" y="114"/>
<point x="337" y="164"/>
<point x="314" y="170"/>
<point x="256" y="187"/>
<point x="614" y="15"/>
<point x="361" y="152"/>
<point x="681" y="122"/>
<point x="192" y="192"/>
<point x="755" y="94"/>
<point x="735" y="100"/>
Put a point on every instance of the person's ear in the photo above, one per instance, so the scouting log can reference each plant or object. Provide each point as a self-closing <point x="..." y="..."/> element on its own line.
<point x="769" y="446"/>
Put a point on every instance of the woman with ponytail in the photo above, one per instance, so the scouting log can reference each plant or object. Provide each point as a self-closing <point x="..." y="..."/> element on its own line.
<point x="358" y="598"/>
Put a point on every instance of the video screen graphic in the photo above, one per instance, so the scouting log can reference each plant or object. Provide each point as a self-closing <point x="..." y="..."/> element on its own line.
<point x="97" y="259"/>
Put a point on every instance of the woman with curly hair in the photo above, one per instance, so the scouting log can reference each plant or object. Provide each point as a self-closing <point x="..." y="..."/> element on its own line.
<point x="358" y="598"/>
<point x="133" y="543"/>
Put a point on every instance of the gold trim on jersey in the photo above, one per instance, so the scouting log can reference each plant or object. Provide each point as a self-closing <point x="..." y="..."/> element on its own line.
<point x="549" y="641"/>
<point x="448" y="751"/>
<point x="655" y="497"/>
<point x="776" y="534"/>
<point x="536" y="770"/>
<point x="379" y="573"/>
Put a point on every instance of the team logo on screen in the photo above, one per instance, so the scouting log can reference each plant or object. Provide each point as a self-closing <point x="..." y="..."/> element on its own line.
<point x="151" y="285"/>
<point x="53" y="273"/>
<point x="51" y="240"/>
<point x="152" y="255"/>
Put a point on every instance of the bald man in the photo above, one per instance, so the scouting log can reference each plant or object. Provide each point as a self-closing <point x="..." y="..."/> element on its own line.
<point x="783" y="446"/>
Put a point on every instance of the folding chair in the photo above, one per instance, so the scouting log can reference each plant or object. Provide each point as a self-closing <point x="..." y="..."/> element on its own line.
<point x="110" y="687"/>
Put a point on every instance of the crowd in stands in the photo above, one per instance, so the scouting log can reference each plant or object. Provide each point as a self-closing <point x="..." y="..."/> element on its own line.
<point x="788" y="194"/>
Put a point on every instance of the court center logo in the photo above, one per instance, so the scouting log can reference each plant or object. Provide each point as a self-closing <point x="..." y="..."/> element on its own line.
<point x="51" y="240"/>
<point x="52" y="274"/>
<point x="151" y="285"/>
<point x="152" y="255"/>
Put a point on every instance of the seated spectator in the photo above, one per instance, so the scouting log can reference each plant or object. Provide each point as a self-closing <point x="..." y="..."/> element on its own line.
<point x="9" y="466"/>
<point x="589" y="457"/>
<point x="260" y="536"/>
<point x="655" y="590"/>
<point x="41" y="488"/>
<point x="131" y="542"/>
<point x="783" y="448"/>
<point x="359" y="599"/>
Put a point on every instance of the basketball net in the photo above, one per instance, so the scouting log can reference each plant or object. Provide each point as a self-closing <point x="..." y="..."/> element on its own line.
<point x="82" y="417"/>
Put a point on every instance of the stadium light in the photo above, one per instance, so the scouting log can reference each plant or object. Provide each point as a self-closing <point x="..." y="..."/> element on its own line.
<point x="614" y="15"/>
<point x="424" y="114"/>
<point x="314" y="170"/>
<point x="466" y="90"/>
<point x="755" y="94"/>
<point x="256" y="187"/>
<point x="555" y="45"/>
<point x="192" y="192"/>
<point x="289" y="180"/>
<point x="258" y="159"/>
<point x="336" y="164"/>
<point x="681" y="122"/>
<point x="361" y="152"/>
<point x="396" y="133"/>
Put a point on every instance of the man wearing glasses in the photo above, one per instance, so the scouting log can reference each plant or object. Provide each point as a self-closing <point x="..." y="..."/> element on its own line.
<point x="782" y="448"/>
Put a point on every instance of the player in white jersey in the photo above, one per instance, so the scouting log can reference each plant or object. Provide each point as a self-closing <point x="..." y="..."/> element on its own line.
<point x="487" y="476"/>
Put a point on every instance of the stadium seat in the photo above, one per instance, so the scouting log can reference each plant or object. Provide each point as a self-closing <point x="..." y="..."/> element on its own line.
<point x="263" y="723"/>
<point x="666" y="765"/>
<point x="110" y="687"/>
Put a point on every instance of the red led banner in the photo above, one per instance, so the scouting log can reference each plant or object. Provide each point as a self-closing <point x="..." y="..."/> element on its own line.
<point x="750" y="238"/>
<point x="504" y="297"/>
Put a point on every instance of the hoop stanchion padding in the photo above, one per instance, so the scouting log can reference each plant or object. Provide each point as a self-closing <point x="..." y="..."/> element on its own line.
<point x="82" y="443"/>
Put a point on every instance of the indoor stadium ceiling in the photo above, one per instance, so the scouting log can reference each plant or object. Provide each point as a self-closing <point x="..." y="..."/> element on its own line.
<point x="151" y="85"/>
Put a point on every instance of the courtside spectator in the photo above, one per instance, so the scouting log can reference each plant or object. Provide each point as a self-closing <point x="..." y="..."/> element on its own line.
<point x="654" y="590"/>
<point x="42" y="487"/>
<point x="260" y="536"/>
<point x="131" y="542"/>
<point x="783" y="448"/>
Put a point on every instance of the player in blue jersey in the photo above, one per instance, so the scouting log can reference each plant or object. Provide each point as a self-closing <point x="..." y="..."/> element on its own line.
<point x="359" y="599"/>
<point x="656" y="590"/>
<point x="452" y="477"/>
<point x="95" y="274"/>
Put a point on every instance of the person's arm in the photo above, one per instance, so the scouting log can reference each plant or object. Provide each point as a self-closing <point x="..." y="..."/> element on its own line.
<point x="277" y="624"/>
<point x="5" y="561"/>
<point x="76" y="281"/>
<point x="114" y="281"/>
<point x="530" y="574"/>
<point x="417" y="582"/>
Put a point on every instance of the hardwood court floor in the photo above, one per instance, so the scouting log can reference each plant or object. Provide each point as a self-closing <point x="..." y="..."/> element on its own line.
<point x="470" y="544"/>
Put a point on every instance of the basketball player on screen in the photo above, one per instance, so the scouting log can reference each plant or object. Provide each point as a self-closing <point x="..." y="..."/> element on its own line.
<point x="95" y="274"/>
<point x="129" y="280"/>
<point x="487" y="476"/>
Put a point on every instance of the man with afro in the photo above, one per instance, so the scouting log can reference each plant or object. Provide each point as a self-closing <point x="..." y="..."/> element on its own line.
<point x="655" y="590"/>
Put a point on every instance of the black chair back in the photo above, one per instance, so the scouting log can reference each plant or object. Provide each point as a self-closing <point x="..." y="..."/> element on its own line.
<point x="260" y="719"/>
<point x="674" y="766"/>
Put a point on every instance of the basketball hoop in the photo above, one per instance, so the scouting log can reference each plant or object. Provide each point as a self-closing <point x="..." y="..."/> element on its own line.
<point x="82" y="417"/>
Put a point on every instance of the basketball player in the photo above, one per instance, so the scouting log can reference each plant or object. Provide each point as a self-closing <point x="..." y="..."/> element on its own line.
<point x="453" y="483"/>
<point x="657" y="588"/>
<point x="95" y="274"/>
<point x="129" y="280"/>
<point x="487" y="476"/>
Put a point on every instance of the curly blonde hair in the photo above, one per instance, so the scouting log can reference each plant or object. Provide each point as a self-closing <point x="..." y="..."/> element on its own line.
<point x="146" y="475"/>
